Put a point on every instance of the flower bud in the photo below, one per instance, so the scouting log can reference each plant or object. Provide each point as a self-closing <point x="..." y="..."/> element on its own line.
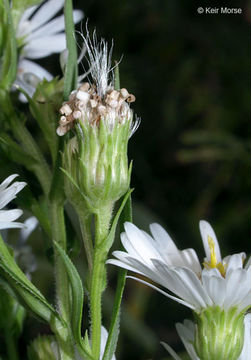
<point x="219" y="334"/>
<point x="43" y="347"/>
<point x="102" y="120"/>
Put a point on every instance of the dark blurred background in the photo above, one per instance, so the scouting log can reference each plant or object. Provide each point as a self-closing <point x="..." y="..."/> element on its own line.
<point x="191" y="76"/>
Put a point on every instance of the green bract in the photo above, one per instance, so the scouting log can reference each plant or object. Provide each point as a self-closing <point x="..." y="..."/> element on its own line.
<point x="97" y="161"/>
<point x="219" y="334"/>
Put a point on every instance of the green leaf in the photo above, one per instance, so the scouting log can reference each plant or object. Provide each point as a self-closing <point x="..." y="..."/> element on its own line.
<point x="15" y="152"/>
<point x="70" y="178"/>
<point x="107" y="242"/>
<point x="112" y="339"/>
<point x="77" y="303"/>
<point x="40" y="210"/>
<point x="71" y="69"/>
<point x="77" y="294"/>
<point x="44" y="107"/>
<point x="23" y="288"/>
<point x="57" y="193"/>
<point x="9" y="305"/>
<point x="9" y="56"/>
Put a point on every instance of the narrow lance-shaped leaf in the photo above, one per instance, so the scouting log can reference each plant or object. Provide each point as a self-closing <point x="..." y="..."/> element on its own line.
<point x="9" y="63"/>
<point x="77" y="293"/>
<point x="24" y="288"/>
<point x="77" y="300"/>
<point x="71" y="70"/>
<point x="107" y="242"/>
<point x="15" y="152"/>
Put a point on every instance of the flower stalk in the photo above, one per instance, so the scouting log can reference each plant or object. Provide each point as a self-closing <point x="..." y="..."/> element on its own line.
<point x="62" y="283"/>
<point x="98" y="280"/>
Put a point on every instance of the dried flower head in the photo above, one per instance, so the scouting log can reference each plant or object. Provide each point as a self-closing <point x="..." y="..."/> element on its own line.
<point x="97" y="99"/>
<point x="103" y="120"/>
<point x="86" y="105"/>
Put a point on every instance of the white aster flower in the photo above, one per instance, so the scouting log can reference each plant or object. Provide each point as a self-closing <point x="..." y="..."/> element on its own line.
<point x="187" y="330"/>
<point x="8" y="193"/>
<point x="39" y="34"/>
<point x="225" y="283"/>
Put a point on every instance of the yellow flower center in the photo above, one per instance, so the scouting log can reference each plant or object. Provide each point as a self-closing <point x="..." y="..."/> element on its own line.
<point x="213" y="263"/>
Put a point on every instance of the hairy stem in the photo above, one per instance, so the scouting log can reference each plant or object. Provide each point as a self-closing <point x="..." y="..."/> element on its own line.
<point x="62" y="282"/>
<point x="98" y="283"/>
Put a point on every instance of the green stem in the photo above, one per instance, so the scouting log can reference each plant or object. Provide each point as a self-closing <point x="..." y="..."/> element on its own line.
<point x="62" y="282"/>
<point x="85" y="226"/>
<point x="98" y="283"/>
<point x="97" y="287"/>
<point x="10" y="344"/>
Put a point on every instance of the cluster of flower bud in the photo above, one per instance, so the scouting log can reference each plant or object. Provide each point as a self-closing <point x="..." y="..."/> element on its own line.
<point x="86" y="105"/>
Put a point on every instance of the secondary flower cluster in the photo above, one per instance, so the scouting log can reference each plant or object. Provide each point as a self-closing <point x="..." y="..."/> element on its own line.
<point x="223" y="282"/>
<point x="87" y="105"/>
<point x="39" y="34"/>
<point x="8" y="192"/>
<point x="219" y="293"/>
<point x="187" y="329"/>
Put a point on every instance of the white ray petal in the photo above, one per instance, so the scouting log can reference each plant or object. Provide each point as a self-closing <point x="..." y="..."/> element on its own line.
<point x="9" y="225"/>
<point x="163" y="292"/>
<point x="173" y="283"/>
<point x="186" y="332"/>
<point x="235" y="262"/>
<point x="245" y="303"/>
<point x="124" y="265"/>
<point x="10" y="215"/>
<point x="54" y="26"/>
<point x="192" y="284"/>
<point x="236" y="287"/>
<point x="44" y="46"/>
<point x="6" y="196"/>
<point x="207" y="230"/>
<point x="142" y="244"/>
<point x="45" y="13"/>
<point x="27" y="13"/>
<point x="246" y="350"/>
<point x="27" y="66"/>
<point x="171" y="351"/>
<point x="104" y="337"/>
<point x="215" y="286"/>
<point x="30" y="225"/>
<point x="190" y="260"/>
<point x="162" y="238"/>
<point x="7" y="181"/>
